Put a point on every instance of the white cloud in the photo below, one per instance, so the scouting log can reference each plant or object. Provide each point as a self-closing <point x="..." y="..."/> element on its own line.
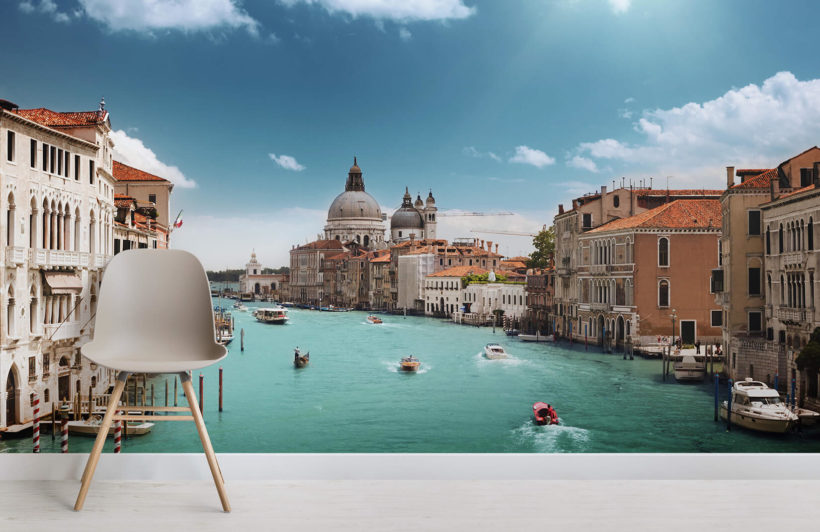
<point x="398" y="10"/>
<point x="183" y="15"/>
<point x="625" y="113"/>
<point x="272" y="237"/>
<point x="472" y="152"/>
<point x="619" y="6"/>
<point x="47" y="7"/>
<point x="583" y="163"/>
<point x="630" y="100"/>
<point x="287" y="162"/>
<point x="755" y="126"/>
<point x="404" y="34"/>
<point x="133" y="152"/>
<point x="531" y="156"/>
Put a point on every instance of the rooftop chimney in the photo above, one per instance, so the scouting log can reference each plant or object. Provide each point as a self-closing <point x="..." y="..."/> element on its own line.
<point x="496" y="249"/>
<point x="730" y="176"/>
<point x="561" y="205"/>
<point x="774" y="189"/>
<point x="482" y="244"/>
<point x="489" y="245"/>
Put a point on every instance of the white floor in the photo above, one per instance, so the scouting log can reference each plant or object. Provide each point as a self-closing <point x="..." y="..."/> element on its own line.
<point x="388" y="505"/>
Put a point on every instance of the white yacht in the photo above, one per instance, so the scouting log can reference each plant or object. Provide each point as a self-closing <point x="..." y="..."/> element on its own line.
<point x="690" y="368"/>
<point x="277" y="315"/>
<point x="494" y="352"/>
<point x="755" y="406"/>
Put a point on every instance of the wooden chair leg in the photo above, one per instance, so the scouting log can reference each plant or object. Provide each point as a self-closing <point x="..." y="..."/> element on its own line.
<point x="94" y="457"/>
<point x="206" y="441"/>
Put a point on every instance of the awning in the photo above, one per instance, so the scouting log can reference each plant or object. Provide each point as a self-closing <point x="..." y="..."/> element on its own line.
<point x="62" y="283"/>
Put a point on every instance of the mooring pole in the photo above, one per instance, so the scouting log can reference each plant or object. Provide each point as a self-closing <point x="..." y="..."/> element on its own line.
<point x="717" y="396"/>
<point x="220" y="388"/>
<point x="729" y="408"/>
<point x="242" y="340"/>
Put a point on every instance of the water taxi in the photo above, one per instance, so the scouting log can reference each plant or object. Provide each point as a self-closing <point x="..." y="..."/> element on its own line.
<point x="544" y="414"/>
<point x="287" y="304"/>
<point x="494" y="352"/>
<point x="275" y="315"/>
<point x="755" y="406"/>
<point x="511" y="332"/>
<point x="690" y="368"/>
<point x="300" y="360"/>
<point x="374" y="319"/>
<point x="537" y="337"/>
<point x="91" y="427"/>
<point x="410" y="363"/>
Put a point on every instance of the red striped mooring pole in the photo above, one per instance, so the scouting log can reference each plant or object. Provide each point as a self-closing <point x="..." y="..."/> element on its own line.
<point x="35" y="402"/>
<point x="118" y="436"/>
<point x="63" y="433"/>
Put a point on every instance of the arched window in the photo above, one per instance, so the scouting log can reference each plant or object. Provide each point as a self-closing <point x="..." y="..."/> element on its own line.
<point x="616" y="201"/>
<point x="768" y="241"/>
<point x="10" y="313"/>
<point x="663" y="293"/>
<point x="780" y="239"/>
<point x="10" y="221"/>
<point x="810" y="230"/>
<point x="663" y="251"/>
<point x="782" y="291"/>
<point x="33" y="312"/>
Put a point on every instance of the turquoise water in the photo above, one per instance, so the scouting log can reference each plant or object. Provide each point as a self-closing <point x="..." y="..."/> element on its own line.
<point x="352" y="398"/>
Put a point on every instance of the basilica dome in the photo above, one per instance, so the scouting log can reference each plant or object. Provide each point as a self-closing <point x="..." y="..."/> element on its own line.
<point x="406" y="216"/>
<point x="354" y="202"/>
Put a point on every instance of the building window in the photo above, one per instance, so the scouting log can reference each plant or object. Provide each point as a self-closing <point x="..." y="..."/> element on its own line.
<point x="51" y="158"/>
<point x="780" y="239"/>
<point x="10" y="146"/>
<point x="91" y="172"/>
<point x="754" y="281"/>
<point x="663" y="293"/>
<point x="810" y="234"/>
<point x="754" y="223"/>
<point x="755" y="322"/>
<point x="720" y="252"/>
<point x="33" y="153"/>
<point x="806" y="175"/>
<point x="717" y="318"/>
<point x="663" y="251"/>
<point x="45" y="157"/>
<point x="616" y="201"/>
<point x="152" y="198"/>
<point x="76" y="167"/>
<point x="587" y="221"/>
<point x="768" y="242"/>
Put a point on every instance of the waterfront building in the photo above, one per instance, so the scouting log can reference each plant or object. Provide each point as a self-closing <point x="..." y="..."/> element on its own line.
<point x="414" y="220"/>
<point x="379" y="280"/>
<point x="136" y="227"/>
<point x="740" y="284"/>
<point x="413" y="268"/>
<point x="253" y="281"/>
<point x="57" y="224"/>
<point x="540" y="289"/>
<point x="307" y="268"/>
<point x="482" y="299"/>
<point x="640" y="276"/>
<point x="587" y="213"/>
<point x="355" y="215"/>
<point x="791" y="260"/>
<point x="444" y="291"/>
<point x="148" y="190"/>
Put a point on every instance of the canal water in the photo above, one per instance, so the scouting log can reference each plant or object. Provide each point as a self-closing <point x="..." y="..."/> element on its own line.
<point x="352" y="398"/>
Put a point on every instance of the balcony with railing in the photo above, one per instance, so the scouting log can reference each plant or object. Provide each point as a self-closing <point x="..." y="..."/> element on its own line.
<point x="49" y="258"/>
<point x="600" y="269"/>
<point x="792" y="259"/>
<point x="15" y="255"/>
<point x="55" y="331"/>
<point x="792" y="315"/>
<point x="604" y="307"/>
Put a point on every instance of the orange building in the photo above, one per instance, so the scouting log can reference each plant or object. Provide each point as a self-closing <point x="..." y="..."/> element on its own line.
<point x="636" y="273"/>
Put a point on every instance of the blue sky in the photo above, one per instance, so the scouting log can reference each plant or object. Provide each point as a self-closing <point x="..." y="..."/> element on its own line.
<point x="513" y="105"/>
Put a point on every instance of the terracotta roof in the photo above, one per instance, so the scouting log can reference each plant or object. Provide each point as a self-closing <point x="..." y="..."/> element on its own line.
<point x="123" y="172"/>
<point x="750" y="171"/>
<point x="50" y="118"/>
<point x="323" y="244"/>
<point x="678" y="192"/>
<point x="513" y="275"/>
<point x="122" y="201"/>
<point x="338" y="256"/>
<point x="678" y="214"/>
<point x="519" y="258"/>
<point x="459" y="271"/>
<point x="762" y="180"/>
<point x="382" y="258"/>
<point x="792" y="193"/>
<point x="512" y="264"/>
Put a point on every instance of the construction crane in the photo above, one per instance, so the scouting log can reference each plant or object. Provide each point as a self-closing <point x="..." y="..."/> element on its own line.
<point x="502" y="213"/>
<point x="510" y="233"/>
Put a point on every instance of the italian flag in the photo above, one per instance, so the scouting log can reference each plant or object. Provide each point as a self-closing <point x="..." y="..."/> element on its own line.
<point x="178" y="221"/>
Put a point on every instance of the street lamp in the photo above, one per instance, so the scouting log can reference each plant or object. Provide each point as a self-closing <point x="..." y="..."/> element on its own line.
<point x="673" y="316"/>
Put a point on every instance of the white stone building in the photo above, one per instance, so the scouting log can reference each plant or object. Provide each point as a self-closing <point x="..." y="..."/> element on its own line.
<point x="355" y="215"/>
<point x="57" y="226"/>
<point x="485" y="298"/>
<point x="413" y="269"/>
<point x="253" y="281"/>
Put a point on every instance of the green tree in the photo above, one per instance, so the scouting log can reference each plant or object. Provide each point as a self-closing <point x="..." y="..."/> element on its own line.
<point x="809" y="357"/>
<point x="544" y="243"/>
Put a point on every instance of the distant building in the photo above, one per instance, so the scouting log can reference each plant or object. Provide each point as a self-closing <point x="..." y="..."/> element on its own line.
<point x="148" y="190"/>
<point x="540" y="291"/>
<point x="414" y="220"/>
<point x="136" y="228"/>
<point x="253" y="281"/>
<point x="307" y="264"/>
<point x="355" y="215"/>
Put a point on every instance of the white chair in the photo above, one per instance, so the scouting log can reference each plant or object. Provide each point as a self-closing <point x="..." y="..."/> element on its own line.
<point x="154" y="315"/>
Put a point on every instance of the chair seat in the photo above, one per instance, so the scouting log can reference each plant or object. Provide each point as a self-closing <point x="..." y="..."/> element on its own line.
<point x="122" y="360"/>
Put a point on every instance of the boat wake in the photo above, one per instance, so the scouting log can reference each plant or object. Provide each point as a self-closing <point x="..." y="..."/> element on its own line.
<point x="551" y="438"/>
<point x="510" y="361"/>
<point x="393" y="367"/>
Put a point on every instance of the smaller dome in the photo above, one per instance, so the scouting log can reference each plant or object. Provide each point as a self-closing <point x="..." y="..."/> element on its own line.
<point x="406" y="218"/>
<point x="419" y="203"/>
<point x="430" y="199"/>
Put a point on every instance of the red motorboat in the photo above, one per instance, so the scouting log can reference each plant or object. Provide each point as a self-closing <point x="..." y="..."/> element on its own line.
<point x="544" y="414"/>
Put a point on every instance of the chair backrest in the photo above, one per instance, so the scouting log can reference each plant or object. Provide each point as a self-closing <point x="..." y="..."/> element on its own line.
<point x="155" y="305"/>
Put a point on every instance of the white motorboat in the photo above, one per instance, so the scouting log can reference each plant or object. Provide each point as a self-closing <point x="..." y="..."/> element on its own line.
<point x="494" y="352"/>
<point x="755" y="406"/>
<point x="689" y="368"/>
<point x="91" y="427"/>
<point x="537" y="337"/>
<point x="275" y="315"/>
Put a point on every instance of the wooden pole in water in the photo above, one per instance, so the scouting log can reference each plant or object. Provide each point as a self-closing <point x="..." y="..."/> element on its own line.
<point x="717" y="396"/>
<point x="242" y="340"/>
<point x="166" y="392"/>
<point x="53" y="421"/>
<point x="90" y="401"/>
<point x="220" y="388"/>
<point x="201" y="390"/>
<point x="729" y="408"/>
<point x="175" y="391"/>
